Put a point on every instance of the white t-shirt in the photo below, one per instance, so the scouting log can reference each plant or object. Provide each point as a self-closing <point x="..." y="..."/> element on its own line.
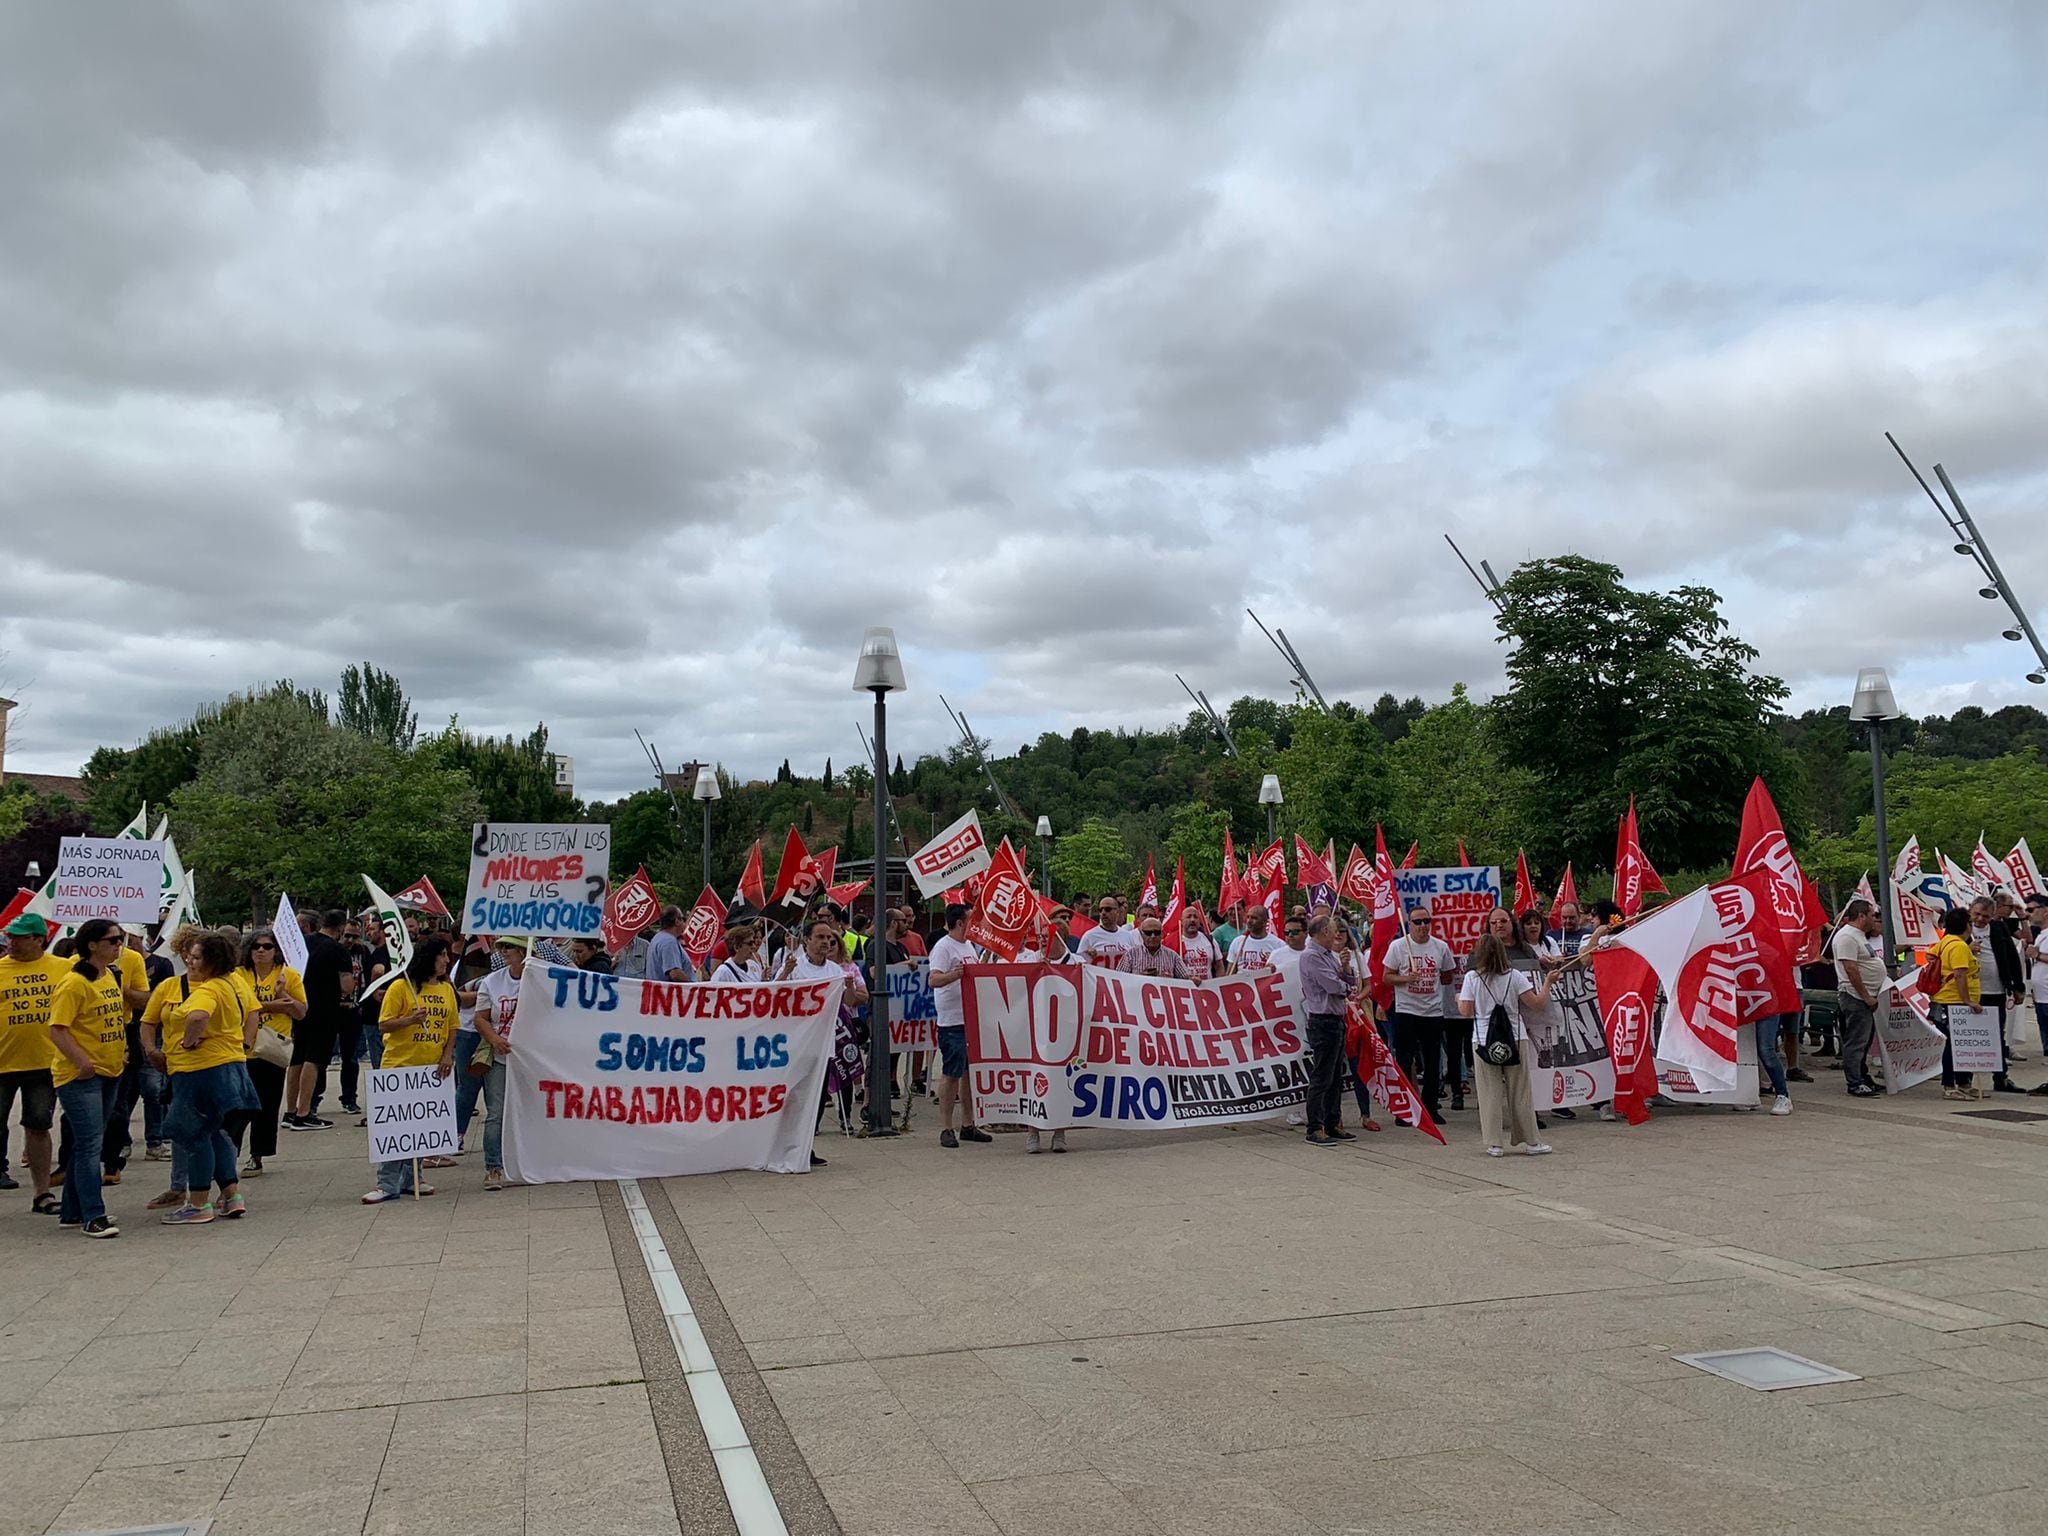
<point x="831" y="969"/>
<point x="732" y="973"/>
<point x="1099" y="939"/>
<point x="1287" y="961"/>
<point x="950" y="1003"/>
<point x="2039" y="975"/>
<point x="1484" y="991"/>
<point x="1429" y="966"/>
<point x="1200" y="955"/>
<point x="497" y="998"/>
<point x="1850" y="950"/>
<point x="1250" y="954"/>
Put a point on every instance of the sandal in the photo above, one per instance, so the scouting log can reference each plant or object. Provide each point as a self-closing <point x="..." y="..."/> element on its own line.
<point x="45" y="1205"/>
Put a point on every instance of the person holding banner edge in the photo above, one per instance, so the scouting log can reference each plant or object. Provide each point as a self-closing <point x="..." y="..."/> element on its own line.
<point x="417" y="1021"/>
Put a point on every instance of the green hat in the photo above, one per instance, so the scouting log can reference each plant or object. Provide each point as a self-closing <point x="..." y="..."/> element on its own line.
<point x="28" y="925"/>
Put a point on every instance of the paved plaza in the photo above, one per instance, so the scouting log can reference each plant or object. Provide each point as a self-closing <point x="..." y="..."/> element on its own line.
<point x="1225" y="1331"/>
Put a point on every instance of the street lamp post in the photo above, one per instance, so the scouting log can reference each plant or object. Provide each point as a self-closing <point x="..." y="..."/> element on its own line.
<point x="1045" y="856"/>
<point x="1269" y="797"/>
<point x="1874" y="704"/>
<point x="34" y="872"/>
<point x="705" y="791"/>
<point x="880" y="672"/>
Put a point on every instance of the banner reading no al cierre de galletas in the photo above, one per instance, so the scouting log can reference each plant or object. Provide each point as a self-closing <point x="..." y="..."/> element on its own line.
<point x="611" y="1078"/>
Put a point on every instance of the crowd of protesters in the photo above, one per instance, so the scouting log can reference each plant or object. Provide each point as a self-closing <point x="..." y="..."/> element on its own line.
<point x="232" y="1046"/>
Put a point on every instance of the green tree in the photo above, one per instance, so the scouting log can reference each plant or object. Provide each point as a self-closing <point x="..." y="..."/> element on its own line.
<point x="1092" y="859"/>
<point x="1615" y="692"/>
<point x="1196" y="835"/>
<point x="1947" y="802"/>
<point x="1333" y="773"/>
<point x="373" y="703"/>
<point x="1450" y="782"/>
<point x="514" y="776"/>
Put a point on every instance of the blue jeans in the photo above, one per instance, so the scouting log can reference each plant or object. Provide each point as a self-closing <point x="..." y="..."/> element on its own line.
<point x="202" y="1152"/>
<point x="156" y="1099"/>
<point x="1768" y="1056"/>
<point x="85" y="1102"/>
<point x="494" y="1115"/>
<point x="2041" y="1018"/>
<point x="395" y="1177"/>
<point x="466" y="1086"/>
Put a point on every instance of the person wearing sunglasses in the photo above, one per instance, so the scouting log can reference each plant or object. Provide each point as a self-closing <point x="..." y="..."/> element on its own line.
<point x="1152" y="957"/>
<point x="274" y="995"/>
<point x="1109" y="940"/>
<point x="89" y="1040"/>
<point x="1417" y="965"/>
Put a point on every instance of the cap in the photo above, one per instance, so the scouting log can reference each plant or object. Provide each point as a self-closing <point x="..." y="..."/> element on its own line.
<point x="29" y="925"/>
<point x="510" y="941"/>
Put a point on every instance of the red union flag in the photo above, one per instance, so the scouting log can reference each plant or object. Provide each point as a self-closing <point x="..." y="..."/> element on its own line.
<point x="1626" y="986"/>
<point x="1386" y="918"/>
<point x="1176" y="908"/>
<point x="1525" y="888"/>
<point x="750" y="890"/>
<point x="800" y="875"/>
<point x="1229" y="894"/>
<point x="628" y="910"/>
<point x="421" y="896"/>
<point x="1356" y="884"/>
<point x="843" y="895"/>
<point x="703" y="928"/>
<point x="951" y="858"/>
<point x="1382" y="1074"/>
<point x="1005" y="909"/>
<point x="1795" y="903"/>
<point x="1634" y="878"/>
<point x="1310" y="868"/>
<point x="1148" y="894"/>
<point x="2024" y="875"/>
<point x="1262" y="867"/>
<point x="1567" y="889"/>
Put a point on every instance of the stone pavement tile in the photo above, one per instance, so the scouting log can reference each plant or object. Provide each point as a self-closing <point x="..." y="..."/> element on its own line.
<point x="335" y="1453"/>
<point x="321" y="1511"/>
<point x="21" y="1380"/>
<point x="40" y="1477"/>
<point x="588" y="1348"/>
<point x="170" y="1307"/>
<point x="475" y="1443"/>
<point x="572" y="1290"/>
<point x="592" y="1451"/>
<point x="477" y="1363"/>
<point x="1216" y="1504"/>
<point x="905" y="1503"/>
<point x="228" y="1357"/>
<point x="182" y="1443"/>
<point x="58" y="1338"/>
<point x="121" y="1497"/>
<point x="797" y="1385"/>
<point x="857" y="1433"/>
<point x="1481" y="1483"/>
<point x="1324" y="1484"/>
<point x="1067" y="1501"/>
<point x="387" y="1279"/>
<point x="810" y="1349"/>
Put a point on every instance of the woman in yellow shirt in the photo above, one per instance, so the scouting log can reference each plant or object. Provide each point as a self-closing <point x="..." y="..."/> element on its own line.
<point x="275" y="998"/>
<point x="89" y="1040"/>
<point x="1961" y="986"/>
<point x="205" y="1040"/>
<point x="418" y="1020"/>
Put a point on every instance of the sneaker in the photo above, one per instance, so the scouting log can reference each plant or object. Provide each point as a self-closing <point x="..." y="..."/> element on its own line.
<point x="1457" y="1101"/>
<point x="974" y="1133"/>
<point x="188" y="1215"/>
<point x="254" y="1170"/>
<point x="1296" y="1117"/>
<point x="1783" y="1106"/>
<point x="1340" y="1134"/>
<point x="378" y="1197"/>
<point x="1031" y="1143"/>
<point x="437" y="1161"/>
<point x="62" y="1223"/>
<point x="920" y="1087"/>
<point x="1495" y="1152"/>
<point x="1863" y="1091"/>
<point x="1564" y="1114"/>
<point x="8" y="1181"/>
<point x="1607" y="1112"/>
<point x="817" y="1161"/>
<point x="494" y="1179"/>
<point x="1540" y="1149"/>
<point x="233" y="1207"/>
<point x="948" y="1139"/>
<point x="1798" y="1075"/>
<point x="294" y="1123"/>
<point x="159" y="1153"/>
<point x="101" y="1226"/>
<point x="350" y="1107"/>
<point x="1318" y="1139"/>
<point x="1059" y="1141"/>
<point x="1962" y="1095"/>
<point x="2040" y="1092"/>
<point x="319" y="1124"/>
<point x="2006" y="1085"/>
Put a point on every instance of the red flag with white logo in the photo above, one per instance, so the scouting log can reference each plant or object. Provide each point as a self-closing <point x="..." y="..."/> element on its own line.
<point x="1275" y="899"/>
<point x="1798" y="912"/>
<point x="797" y="876"/>
<point x="421" y="896"/>
<point x="749" y="889"/>
<point x="1382" y="1074"/>
<point x="843" y="895"/>
<point x="1228" y="893"/>
<point x="1310" y="868"/>
<point x="1176" y="908"/>
<point x="703" y="928"/>
<point x="1567" y="889"/>
<point x="1408" y="860"/>
<point x="1004" y="908"/>
<point x="1356" y="884"/>
<point x="1634" y="877"/>
<point x="1525" y="888"/>
<point x="1627" y="988"/>
<point x="1263" y="866"/>
<point x="1386" y="919"/>
<point x="1148" y="894"/>
<point x="629" y="909"/>
<point x="2023" y="874"/>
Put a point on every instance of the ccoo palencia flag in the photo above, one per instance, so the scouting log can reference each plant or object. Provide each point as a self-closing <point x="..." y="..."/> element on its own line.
<point x="1634" y="876"/>
<point x="2024" y="872"/>
<point x="1356" y="884"/>
<point x="1525" y="890"/>
<point x="703" y="928"/>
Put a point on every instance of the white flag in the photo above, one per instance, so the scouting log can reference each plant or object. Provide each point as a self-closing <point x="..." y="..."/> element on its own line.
<point x="2026" y="874"/>
<point x="397" y="939"/>
<point x="291" y="943"/>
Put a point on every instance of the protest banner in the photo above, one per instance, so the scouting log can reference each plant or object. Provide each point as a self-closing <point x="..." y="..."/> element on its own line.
<point x="112" y="877"/>
<point x="1458" y="898"/>
<point x="291" y="940"/>
<point x="913" y="1014"/>
<point x="1571" y="1065"/>
<point x="1679" y="1083"/>
<point x="1973" y="1040"/>
<point x="1054" y="1046"/>
<point x="622" y="1079"/>
<point x="411" y="1113"/>
<point x="952" y="857"/>
<point x="537" y="878"/>
<point x="1910" y="1047"/>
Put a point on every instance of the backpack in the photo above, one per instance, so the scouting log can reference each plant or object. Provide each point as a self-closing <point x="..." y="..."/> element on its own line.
<point x="1931" y="974"/>
<point x="1499" y="1048"/>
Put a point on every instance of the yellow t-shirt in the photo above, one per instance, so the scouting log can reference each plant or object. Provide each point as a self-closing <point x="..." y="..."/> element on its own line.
<point x="267" y="990"/>
<point x="220" y="1042"/>
<point x="97" y="1016"/>
<point x="421" y="1044"/>
<point x="26" y="990"/>
<point x="134" y="974"/>
<point x="1960" y="972"/>
<point x="162" y="1000"/>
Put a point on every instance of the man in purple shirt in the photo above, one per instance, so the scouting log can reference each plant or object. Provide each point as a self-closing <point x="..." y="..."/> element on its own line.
<point x="1325" y="991"/>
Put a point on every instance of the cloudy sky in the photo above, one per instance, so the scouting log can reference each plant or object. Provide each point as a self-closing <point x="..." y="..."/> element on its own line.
<point x="614" y="363"/>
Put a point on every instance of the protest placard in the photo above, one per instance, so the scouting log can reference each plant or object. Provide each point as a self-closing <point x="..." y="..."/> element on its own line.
<point x="621" y="1079"/>
<point x="958" y="853"/>
<point x="1973" y="1040"/>
<point x="1055" y="1046"/>
<point x="411" y="1113"/>
<point x="291" y="939"/>
<point x="538" y="879"/>
<point x="1910" y="1047"/>
<point x="1571" y="1065"/>
<point x="913" y="1012"/>
<point x="113" y="877"/>
<point x="1458" y="898"/>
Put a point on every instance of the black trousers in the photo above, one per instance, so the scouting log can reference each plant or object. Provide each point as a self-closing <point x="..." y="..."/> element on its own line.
<point x="261" y="1127"/>
<point x="1419" y="1043"/>
<point x="1324" y="1110"/>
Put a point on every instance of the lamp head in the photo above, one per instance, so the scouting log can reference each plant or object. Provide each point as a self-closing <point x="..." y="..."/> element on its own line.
<point x="880" y="669"/>
<point x="2037" y="676"/>
<point x="1990" y="593"/>
<point x="2013" y="634"/>
<point x="1269" y="790"/>
<point x="1045" y="826"/>
<point x="706" y="787"/>
<point x="1874" y="699"/>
